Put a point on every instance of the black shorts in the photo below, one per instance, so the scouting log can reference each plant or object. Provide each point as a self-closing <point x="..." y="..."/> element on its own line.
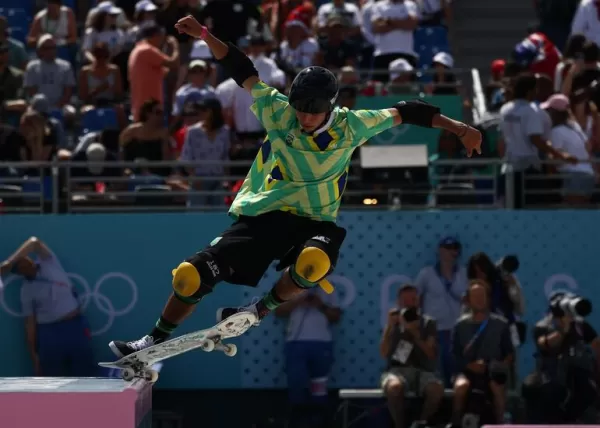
<point x="251" y="244"/>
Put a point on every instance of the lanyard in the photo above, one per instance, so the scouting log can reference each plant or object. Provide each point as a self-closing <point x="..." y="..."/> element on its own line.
<point x="476" y="335"/>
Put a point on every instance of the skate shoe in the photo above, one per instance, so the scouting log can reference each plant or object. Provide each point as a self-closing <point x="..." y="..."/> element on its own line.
<point x="122" y="349"/>
<point x="224" y="313"/>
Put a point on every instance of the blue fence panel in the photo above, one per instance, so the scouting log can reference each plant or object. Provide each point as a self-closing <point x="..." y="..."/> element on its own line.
<point x="121" y="266"/>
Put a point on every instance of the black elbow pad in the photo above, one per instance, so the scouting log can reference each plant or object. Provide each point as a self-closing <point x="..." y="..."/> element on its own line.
<point x="417" y="112"/>
<point x="238" y="64"/>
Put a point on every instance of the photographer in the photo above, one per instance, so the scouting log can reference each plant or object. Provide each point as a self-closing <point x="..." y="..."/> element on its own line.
<point x="409" y="346"/>
<point x="483" y="351"/>
<point x="563" y="385"/>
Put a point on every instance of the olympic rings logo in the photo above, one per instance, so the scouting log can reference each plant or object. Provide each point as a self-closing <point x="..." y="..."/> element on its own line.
<point x="88" y="295"/>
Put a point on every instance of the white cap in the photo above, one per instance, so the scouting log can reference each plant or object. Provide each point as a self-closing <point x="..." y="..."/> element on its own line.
<point x="197" y="63"/>
<point x="145" y="6"/>
<point x="399" y="66"/>
<point x="108" y="7"/>
<point x="95" y="153"/>
<point x="43" y="39"/>
<point x="444" y="58"/>
<point x="200" y="50"/>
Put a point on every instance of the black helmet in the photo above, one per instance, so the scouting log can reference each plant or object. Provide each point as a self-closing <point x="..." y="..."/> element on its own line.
<point x="314" y="90"/>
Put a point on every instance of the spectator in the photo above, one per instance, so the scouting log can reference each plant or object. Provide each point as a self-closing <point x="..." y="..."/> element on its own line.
<point x="267" y="67"/>
<point x="271" y="12"/>
<point x="409" y="346"/>
<point x="56" y="136"/>
<point x="50" y="76"/>
<point x="336" y="49"/>
<point x="394" y="24"/>
<point x="495" y="87"/>
<point x="52" y="313"/>
<point x="441" y="287"/>
<point x="147" y="139"/>
<point x="12" y="103"/>
<point x="197" y="88"/>
<point x="482" y="349"/>
<point x="17" y="55"/>
<point x="587" y="21"/>
<point x="100" y="84"/>
<point x="207" y="141"/>
<point x="190" y="115"/>
<point x="122" y="22"/>
<point x="402" y="78"/>
<point x="444" y="80"/>
<point x="148" y="67"/>
<point x="94" y="152"/>
<point x="567" y="136"/>
<point x="573" y="53"/>
<point x="347" y="96"/>
<point x="348" y="75"/>
<point x="435" y="12"/>
<point x="449" y="148"/>
<point x="537" y="54"/>
<point x="522" y="127"/>
<point x="38" y="142"/>
<point x="309" y="354"/>
<point x="298" y="50"/>
<point x="341" y="9"/>
<point x="58" y="21"/>
<point x="201" y="51"/>
<point x="145" y="15"/>
<point x="104" y="30"/>
<point x="583" y="71"/>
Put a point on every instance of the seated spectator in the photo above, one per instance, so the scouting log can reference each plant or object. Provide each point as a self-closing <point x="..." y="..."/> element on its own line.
<point x="201" y="51"/>
<point x="578" y="180"/>
<point x="94" y="152"/>
<point x="336" y="49"/>
<point x="148" y="66"/>
<point x="196" y="88"/>
<point x="17" y="55"/>
<point x="57" y="20"/>
<point x="50" y="76"/>
<point x="435" y="13"/>
<point x="394" y="24"/>
<point x="482" y="350"/>
<point x="147" y="139"/>
<point x="402" y="78"/>
<point x="444" y="80"/>
<point x="267" y="68"/>
<point x="348" y="75"/>
<point x="12" y="103"/>
<point x="37" y="145"/>
<point x="583" y="71"/>
<point x="495" y="82"/>
<point x="191" y="114"/>
<point x="122" y="21"/>
<point x="103" y="30"/>
<point x="144" y="15"/>
<point x="409" y="346"/>
<point x="207" y="141"/>
<point x="56" y="136"/>
<point x="341" y="9"/>
<point x="298" y="49"/>
<point x="573" y="52"/>
<point x="100" y="84"/>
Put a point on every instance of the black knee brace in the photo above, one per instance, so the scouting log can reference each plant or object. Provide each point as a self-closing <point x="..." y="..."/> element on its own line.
<point x="211" y="272"/>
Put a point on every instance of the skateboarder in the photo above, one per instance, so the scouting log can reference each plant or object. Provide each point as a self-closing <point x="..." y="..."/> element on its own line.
<point x="287" y="206"/>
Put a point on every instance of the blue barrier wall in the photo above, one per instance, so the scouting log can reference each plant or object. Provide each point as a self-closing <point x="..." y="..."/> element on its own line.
<point x="121" y="266"/>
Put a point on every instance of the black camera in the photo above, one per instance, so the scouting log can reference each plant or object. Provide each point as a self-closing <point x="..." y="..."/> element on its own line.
<point x="508" y="265"/>
<point x="562" y="304"/>
<point x="410" y="314"/>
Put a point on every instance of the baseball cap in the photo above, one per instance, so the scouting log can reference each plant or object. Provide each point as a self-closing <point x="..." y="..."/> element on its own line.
<point x="450" y="241"/>
<point x="200" y="50"/>
<point x="95" y="153"/>
<point x="145" y="6"/>
<point x="40" y="104"/>
<point x="407" y="286"/>
<point x="43" y="39"/>
<point x="108" y="7"/>
<point x="443" y="58"/>
<point x="558" y="102"/>
<point x="398" y="67"/>
<point x="498" y="66"/>
<point x="197" y="63"/>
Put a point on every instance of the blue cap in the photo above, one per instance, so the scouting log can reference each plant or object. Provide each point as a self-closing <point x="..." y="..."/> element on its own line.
<point x="449" y="241"/>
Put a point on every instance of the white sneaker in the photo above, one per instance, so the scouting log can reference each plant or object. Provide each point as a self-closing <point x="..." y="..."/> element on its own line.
<point x="122" y="349"/>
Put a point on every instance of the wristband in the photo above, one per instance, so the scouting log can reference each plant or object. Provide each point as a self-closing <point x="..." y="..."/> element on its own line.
<point x="204" y="32"/>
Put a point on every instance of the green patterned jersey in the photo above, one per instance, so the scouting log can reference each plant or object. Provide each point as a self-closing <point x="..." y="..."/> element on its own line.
<point x="297" y="172"/>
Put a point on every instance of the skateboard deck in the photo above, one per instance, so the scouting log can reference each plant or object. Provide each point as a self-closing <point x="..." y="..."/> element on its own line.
<point x="139" y="363"/>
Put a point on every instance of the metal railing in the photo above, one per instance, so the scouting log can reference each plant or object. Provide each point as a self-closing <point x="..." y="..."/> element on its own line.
<point x="69" y="187"/>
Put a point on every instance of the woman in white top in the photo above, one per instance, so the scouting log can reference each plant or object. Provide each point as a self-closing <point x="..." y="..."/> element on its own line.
<point x="103" y="30"/>
<point x="57" y="20"/>
<point x="567" y="136"/>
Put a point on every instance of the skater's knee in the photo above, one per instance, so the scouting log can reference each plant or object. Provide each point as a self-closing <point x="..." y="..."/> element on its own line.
<point x="312" y="265"/>
<point x="196" y="277"/>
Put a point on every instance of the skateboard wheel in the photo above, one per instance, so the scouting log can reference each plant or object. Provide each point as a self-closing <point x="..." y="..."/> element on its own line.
<point x="128" y="374"/>
<point x="208" y="346"/>
<point x="151" y="376"/>
<point x="230" y="350"/>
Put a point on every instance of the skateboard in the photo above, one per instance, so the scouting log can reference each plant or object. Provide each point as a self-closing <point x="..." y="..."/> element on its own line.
<point x="139" y="364"/>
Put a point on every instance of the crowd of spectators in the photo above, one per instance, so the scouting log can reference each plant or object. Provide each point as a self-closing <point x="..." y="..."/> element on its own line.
<point x="114" y="80"/>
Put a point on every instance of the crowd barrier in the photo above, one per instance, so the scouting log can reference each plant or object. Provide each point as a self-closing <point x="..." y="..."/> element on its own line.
<point x="121" y="266"/>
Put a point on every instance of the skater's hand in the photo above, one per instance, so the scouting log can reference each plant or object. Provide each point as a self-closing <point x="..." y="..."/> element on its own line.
<point x="471" y="139"/>
<point x="190" y="26"/>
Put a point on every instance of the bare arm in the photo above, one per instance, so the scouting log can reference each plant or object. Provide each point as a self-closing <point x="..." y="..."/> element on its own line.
<point x="32" y="245"/>
<point x="427" y="346"/>
<point x="386" y="341"/>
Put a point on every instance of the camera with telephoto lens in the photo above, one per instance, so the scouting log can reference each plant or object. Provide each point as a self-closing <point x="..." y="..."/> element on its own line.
<point x="410" y="314"/>
<point x="562" y="304"/>
<point x="508" y="265"/>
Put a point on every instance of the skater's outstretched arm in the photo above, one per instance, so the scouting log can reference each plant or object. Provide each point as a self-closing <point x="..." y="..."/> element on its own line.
<point x="237" y="63"/>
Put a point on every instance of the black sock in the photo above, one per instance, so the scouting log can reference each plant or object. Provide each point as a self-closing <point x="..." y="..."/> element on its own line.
<point x="268" y="303"/>
<point x="162" y="330"/>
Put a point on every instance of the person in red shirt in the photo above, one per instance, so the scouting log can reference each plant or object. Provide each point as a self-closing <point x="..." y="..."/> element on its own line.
<point x="191" y="114"/>
<point x="537" y="54"/>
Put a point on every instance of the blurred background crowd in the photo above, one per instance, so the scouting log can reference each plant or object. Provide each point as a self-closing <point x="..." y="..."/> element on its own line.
<point x="110" y="89"/>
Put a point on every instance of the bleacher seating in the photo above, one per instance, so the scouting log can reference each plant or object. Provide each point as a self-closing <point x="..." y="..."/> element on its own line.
<point x="18" y="19"/>
<point x="99" y="119"/>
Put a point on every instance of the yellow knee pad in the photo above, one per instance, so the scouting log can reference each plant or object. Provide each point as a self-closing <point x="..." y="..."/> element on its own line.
<point x="312" y="264"/>
<point x="186" y="279"/>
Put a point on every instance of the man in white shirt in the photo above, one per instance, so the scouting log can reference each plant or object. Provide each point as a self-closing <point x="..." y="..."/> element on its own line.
<point x="309" y="354"/>
<point x="393" y="26"/>
<point x="441" y="287"/>
<point x="298" y="49"/>
<point x="586" y="21"/>
<point x="348" y="11"/>
<point x="57" y="334"/>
